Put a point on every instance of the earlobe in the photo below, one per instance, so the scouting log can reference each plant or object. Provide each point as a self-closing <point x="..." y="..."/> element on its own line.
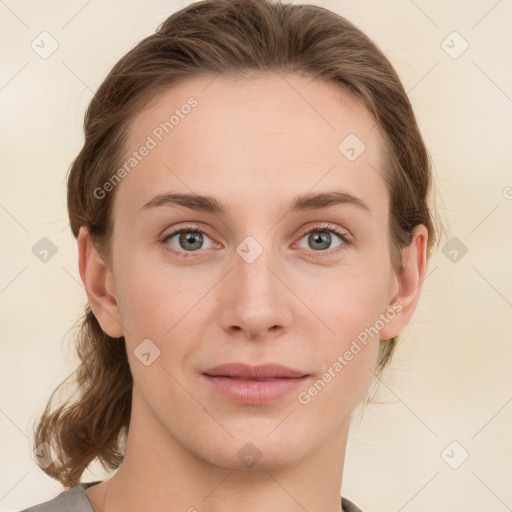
<point x="99" y="285"/>
<point x="410" y="278"/>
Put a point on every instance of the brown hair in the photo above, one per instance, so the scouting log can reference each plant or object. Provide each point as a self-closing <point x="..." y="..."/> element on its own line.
<point x="207" y="38"/>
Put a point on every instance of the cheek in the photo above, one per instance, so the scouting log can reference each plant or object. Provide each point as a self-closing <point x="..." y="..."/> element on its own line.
<point x="350" y="308"/>
<point x="348" y="302"/>
<point x="151" y="296"/>
<point x="348" y="361"/>
<point x="165" y="305"/>
<point x="337" y="391"/>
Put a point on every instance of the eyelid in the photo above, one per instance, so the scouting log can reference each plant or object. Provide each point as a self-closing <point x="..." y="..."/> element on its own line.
<point x="344" y="235"/>
<point x="326" y="226"/>
<point x="185" y="227"/>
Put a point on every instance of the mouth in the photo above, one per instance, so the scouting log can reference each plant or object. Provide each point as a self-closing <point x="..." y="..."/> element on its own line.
<point x="254" y="385"/>
<point x="248" y="380"/>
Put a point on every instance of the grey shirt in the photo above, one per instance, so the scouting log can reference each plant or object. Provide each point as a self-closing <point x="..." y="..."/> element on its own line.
<point x="75" y="500"/>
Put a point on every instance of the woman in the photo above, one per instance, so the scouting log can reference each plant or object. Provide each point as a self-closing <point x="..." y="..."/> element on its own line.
<point x="223" y="352"/>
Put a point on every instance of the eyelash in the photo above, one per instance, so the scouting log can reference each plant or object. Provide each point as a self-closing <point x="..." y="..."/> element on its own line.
<point x="347" y="242"/>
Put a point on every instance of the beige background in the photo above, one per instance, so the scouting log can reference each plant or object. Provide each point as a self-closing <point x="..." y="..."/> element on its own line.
<point x="451" y="378"/>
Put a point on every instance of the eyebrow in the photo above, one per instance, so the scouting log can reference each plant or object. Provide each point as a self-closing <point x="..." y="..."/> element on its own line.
<point x="302" y="202"/>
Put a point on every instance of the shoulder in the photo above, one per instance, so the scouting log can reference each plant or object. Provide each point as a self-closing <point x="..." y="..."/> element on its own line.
<point x="349" y="506"/>
<point x="73" y="499"/>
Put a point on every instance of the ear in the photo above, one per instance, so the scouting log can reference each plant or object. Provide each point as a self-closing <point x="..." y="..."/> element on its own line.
<point x="99" y="285"/>
<point x="408" y="281"/>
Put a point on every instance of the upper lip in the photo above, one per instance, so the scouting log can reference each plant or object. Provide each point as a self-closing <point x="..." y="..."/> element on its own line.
<point x="244" y="371"/>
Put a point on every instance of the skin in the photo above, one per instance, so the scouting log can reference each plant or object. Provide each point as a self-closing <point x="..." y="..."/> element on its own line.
<point x="253" y="144"/>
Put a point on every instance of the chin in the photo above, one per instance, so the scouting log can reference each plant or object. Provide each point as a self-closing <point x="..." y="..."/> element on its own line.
<point x="250" y="450"/>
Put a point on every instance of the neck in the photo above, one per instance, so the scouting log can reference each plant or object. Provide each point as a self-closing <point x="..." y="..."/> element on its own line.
<point x="159" y="474"/>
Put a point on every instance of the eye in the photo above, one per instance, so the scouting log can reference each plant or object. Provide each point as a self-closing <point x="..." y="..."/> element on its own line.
<point x="320" y="238"/>
<point x="186" y="239"/>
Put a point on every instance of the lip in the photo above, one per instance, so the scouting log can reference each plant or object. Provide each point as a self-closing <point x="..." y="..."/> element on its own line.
<point x="254" y="385"/>
<point x="262" y="371"/>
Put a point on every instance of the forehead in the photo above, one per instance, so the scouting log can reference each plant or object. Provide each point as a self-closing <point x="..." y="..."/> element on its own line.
<point x="245" y="139"/>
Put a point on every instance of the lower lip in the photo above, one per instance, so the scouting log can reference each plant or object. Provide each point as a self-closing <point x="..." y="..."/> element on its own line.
<point x="254" y="392"/>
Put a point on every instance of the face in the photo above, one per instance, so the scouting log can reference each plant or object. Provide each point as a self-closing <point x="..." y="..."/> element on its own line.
<point x="269" y="276"/>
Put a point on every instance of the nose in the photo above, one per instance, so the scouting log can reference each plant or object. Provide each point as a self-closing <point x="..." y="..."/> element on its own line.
<point x="255" y="302"/>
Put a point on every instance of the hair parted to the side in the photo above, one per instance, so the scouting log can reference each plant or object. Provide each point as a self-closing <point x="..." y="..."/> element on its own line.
<point x="207" y="38"/>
